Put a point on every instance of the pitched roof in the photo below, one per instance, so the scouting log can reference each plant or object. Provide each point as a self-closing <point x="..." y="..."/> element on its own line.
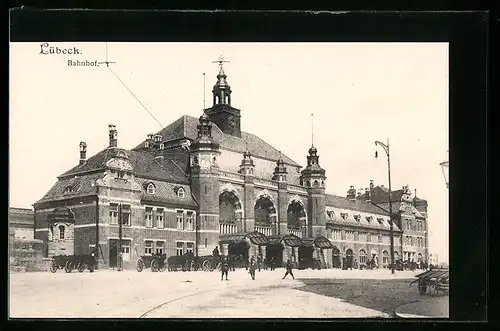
<point x="166" y="192"/>
<point x="82" y="186"/>
<point x="142" y="161"/>
<point x="186" y="127"/>
<point x="357" y="205"/>
<point x="21" y="211"/>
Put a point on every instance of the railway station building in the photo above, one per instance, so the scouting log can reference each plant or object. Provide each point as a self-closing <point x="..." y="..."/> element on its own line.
<point x="202" y="183"/>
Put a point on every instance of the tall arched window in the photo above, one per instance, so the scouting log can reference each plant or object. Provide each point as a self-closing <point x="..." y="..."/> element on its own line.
<point x="61" y="232"/>
<point x="362" y="256"/>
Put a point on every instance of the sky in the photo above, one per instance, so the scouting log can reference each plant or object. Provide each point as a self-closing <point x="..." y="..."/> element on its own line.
<point x="358" y="93"/>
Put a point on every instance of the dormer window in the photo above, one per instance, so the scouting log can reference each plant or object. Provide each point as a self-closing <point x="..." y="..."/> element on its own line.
<point x="357" y="218"/>
<point x="151" y="189"/>
<point x="369" y="219"/>
<point x="380" y="220"/>
<point x="344" y="216"/>
<point x="69" y="189"/>
<point x="181" y="193"/>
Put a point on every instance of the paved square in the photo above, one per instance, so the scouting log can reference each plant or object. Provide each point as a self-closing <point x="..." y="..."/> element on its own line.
<point x="129" y="294"/>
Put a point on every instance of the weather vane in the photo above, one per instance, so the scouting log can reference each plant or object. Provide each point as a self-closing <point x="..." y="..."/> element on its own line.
<point x="221" y="60"/>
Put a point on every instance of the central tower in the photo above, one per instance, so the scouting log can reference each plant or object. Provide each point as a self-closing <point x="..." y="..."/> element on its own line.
<point x="222" y="113"/>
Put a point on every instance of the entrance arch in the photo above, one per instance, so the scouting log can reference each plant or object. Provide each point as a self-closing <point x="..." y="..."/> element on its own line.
<point x="374" y="256"/>
<point x="349" y="258"/>
<point x="230" y="212"/>
<point x="296" y="214"/>
<point x="264" y="215"/>
<point x="336" y="263"/>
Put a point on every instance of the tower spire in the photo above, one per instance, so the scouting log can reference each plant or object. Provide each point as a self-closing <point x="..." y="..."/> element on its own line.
<point x="312" y="130"/>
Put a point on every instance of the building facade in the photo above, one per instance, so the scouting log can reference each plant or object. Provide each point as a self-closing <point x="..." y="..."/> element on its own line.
<point x="203" y="183"/>
<point x="21" y="223"/>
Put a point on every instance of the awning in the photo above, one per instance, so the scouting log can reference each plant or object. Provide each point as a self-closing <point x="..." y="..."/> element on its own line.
<point x="307" y="242"/>
<point x="257" y="238"/>
<point x="292" y="240"/>
<point x="322" y="242"/>
<point x="274" y="240"/>
<point x="232" y="238"/>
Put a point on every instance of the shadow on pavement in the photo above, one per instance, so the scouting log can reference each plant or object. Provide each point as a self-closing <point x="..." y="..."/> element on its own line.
<point x="381" y="295"/>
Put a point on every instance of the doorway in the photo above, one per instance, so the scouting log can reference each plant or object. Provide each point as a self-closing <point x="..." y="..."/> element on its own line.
<point x="275" y="252"/>
<point x="113" y="253"/>
<point x="305" y="256"/>
<point x="238" y="253"/>
<point x="336" y="262"/>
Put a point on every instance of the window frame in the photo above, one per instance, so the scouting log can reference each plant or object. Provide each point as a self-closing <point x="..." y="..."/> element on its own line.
<point x="127" y="214"/>
<point x="148" y="249"/>
<point x="148" y="217"/>
<point x="179" y="247"/>
<point x="181" y="193"/>
<point x="62" y="232"/>
<point x="160" y="218"/>
<point x="113" y="213"/>
<point x="179" y="219"/>
<point x="151" y="188"/>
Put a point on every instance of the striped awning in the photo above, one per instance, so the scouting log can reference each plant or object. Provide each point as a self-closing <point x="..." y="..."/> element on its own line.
<point x="274" y="240"/>
<point x="257" y="238"/>
<point x="322" y="242"/>
<point x="291" y="240"/>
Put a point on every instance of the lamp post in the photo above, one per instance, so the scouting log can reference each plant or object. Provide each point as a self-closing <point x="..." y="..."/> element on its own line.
<point x="386" y="149"/>
<point x="445" y="167"/>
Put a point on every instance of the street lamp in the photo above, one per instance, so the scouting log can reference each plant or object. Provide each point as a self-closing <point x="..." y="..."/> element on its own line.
<point x="445" y="166"/>
<point x="386" y="149"/>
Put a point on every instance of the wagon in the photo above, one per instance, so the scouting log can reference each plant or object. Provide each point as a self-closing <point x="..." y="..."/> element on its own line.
<point x="189" y="262"/>
<point x="71" y="262"/>
<point x="156" y="262"/>
<point x="436" y="279"/>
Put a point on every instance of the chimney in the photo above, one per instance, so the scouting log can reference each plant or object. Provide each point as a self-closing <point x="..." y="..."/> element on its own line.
<point x="83" y="152"/>
<point x="351" y="193"/>
<point x="113" y="136"/>
<point x="371" y="184"/>
<point x="367" y="195"/>
<point x="149" y="141"/>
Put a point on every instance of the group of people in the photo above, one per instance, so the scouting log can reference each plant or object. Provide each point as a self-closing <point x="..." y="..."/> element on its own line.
<point x="252" y="266"/>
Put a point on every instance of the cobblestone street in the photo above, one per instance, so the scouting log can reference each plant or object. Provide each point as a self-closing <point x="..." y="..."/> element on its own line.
<point x="129" y="294"/>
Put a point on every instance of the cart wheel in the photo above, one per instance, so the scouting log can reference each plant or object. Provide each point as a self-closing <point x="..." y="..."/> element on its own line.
<point x="53" y="266"/>
<point x="140" y="265"/>
<point x="154" y="265"/>
<point x="68" y="267"/>
<point x="422" y="288"/>
<point x="207" y="266"/>
<point x="219" y="266"/>
<point x="81" y="267"/>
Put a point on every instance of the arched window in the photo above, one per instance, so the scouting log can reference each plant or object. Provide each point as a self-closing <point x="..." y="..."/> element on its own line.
<point x="308" y="183"/>
<point x="69" y="189"/>
<point x="316" y="183"/>
<point x="362" y="256"/>
<point x="385" y="257"/>
<point x="181" y="193"/>
<point x="61" y="232"/>
<point x="151" y="188"/>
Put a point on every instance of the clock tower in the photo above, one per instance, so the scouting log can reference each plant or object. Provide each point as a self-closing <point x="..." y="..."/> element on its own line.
<point x="226" y="117"/>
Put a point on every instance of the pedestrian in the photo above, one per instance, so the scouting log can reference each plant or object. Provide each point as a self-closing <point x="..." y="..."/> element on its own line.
<point x="259" y="262"/>
<point x="224" y="268"/>
<point x="289" y="268"/>
<point x="272" y="263"/>
<point x="252" y="268"/>
<point x="215" y="252"/>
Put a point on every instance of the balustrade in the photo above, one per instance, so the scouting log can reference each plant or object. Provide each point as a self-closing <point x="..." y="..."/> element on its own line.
<point x="227" y="228"/>
<point x="295" y="232"/>
<point x="263" y="229"/>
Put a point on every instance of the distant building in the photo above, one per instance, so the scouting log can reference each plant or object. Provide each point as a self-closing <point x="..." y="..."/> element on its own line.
<point x="202" y="183"/>
<point x="21" y="223"/>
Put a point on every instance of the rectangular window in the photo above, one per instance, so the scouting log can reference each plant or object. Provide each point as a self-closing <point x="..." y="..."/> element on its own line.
<point x="189" y="221"/>
<point x="148" y="218"/>
<point x="189" y="248"/>
<point x="148" y="247"/>
<point x="159" y="218"/>
<point x="368" y="237"/>
<point x="380" y="238"/>
<point x="180" y="220"/>
<point x="362" y="258"/>
<point x="125" y="214"/>
<point x="113" y="213"/>
<point x="126" y="250"/>
<point x="180" y="248"/>
<point x="337" y="234"/>
<point x="159" y="247"/>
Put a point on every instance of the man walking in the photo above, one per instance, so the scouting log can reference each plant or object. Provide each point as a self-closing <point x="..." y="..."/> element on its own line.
<point x="224" y="268"/>
<point x="252" y="268"/>
<point x="289" y="268"/>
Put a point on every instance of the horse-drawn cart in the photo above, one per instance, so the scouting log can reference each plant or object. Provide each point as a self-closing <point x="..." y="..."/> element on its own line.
<point x="156" y="262"/>
<point x="71" y="262"/>
<point x="435" y="279"/>
<point x="189" y="262"/>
